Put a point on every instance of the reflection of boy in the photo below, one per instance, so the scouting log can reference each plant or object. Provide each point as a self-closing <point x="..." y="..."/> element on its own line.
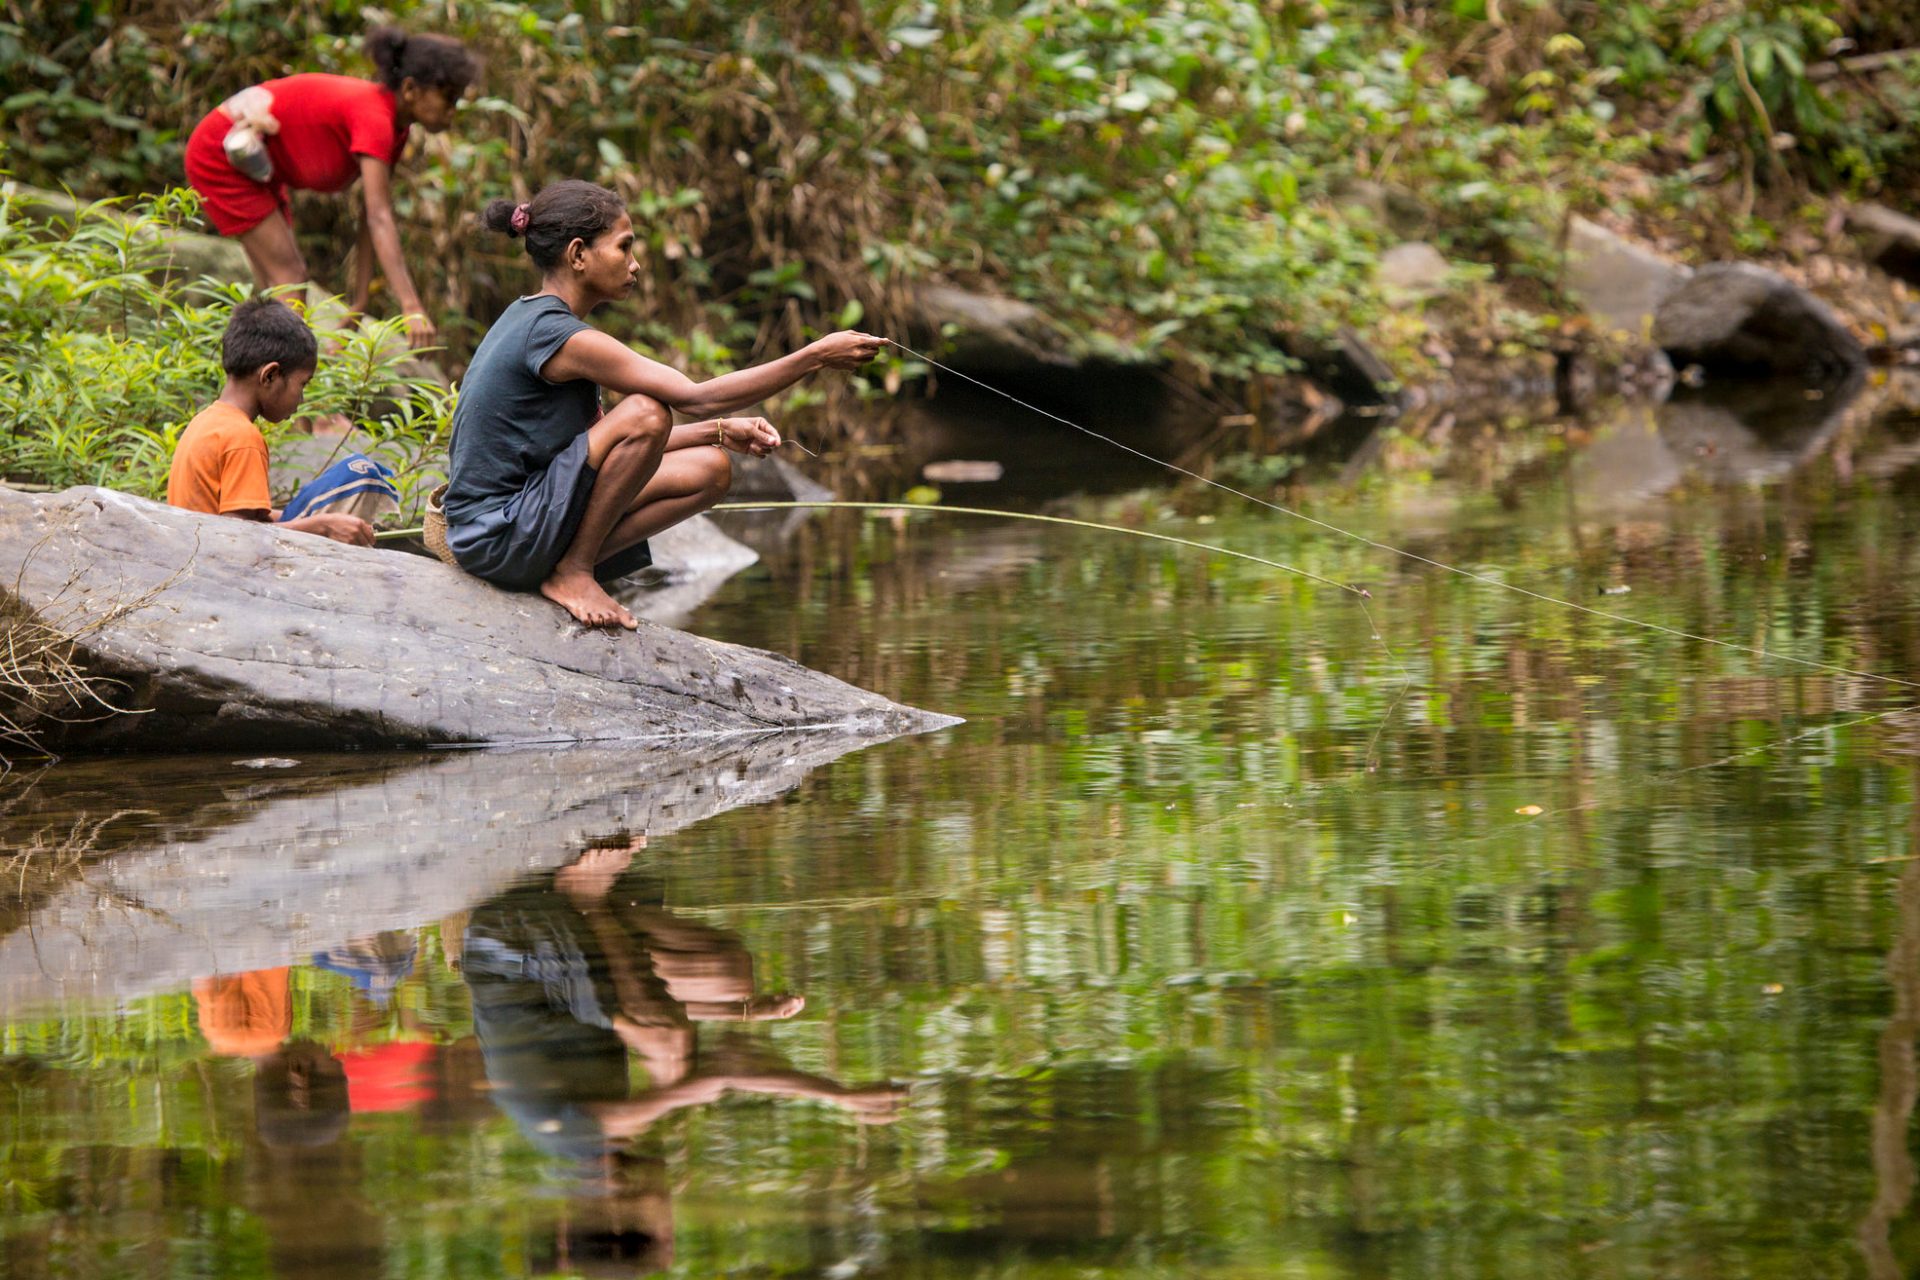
<point x="219" y="465"/>
<point x="299" y="1089"/>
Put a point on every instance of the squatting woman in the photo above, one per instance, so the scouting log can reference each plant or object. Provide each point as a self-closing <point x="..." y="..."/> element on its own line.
<point x="544" y="490"/>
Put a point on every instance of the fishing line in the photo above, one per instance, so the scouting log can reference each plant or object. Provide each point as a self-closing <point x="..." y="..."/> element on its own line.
<point x="1401" y="551"/>
<point x="393" y="535"/>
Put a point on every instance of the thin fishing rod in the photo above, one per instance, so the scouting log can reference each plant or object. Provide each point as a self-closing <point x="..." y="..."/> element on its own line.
<point x="392" y="535"/>
<point x="1401" y="551"/>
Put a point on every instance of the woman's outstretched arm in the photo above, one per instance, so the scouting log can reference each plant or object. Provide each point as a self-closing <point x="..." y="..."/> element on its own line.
<point x="612" y="364"/>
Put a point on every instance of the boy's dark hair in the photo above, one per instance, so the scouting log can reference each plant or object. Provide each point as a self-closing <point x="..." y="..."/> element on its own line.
<point x="264" y="330"/>
<point x="432" y="62"/>
<point x="562" y="213"/>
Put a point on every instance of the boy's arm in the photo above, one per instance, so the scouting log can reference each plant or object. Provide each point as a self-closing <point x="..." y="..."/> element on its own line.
<point x="351" y="530"/>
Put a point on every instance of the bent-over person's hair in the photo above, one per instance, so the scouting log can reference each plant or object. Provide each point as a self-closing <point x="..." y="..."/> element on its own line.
<point x="562" y="213"/>
<point x="432" y="62"/>
<point x="265" y="330"/>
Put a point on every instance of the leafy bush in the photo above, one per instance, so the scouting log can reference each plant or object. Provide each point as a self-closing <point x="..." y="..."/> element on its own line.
<point x="111" y="354"/>
<point x="1169" y="173"/>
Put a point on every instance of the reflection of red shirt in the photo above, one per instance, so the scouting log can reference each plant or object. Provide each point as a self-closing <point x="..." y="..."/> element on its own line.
<point x="389" y="1077"/>
<point x="326" y="121"/>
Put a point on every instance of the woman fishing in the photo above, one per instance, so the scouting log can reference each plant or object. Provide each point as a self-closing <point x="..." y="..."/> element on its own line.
<point x="315" y="132"/>
<point x="545" y="491"/>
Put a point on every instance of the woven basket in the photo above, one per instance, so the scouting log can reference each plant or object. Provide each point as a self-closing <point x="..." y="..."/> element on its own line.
<point x="434" y="530"/>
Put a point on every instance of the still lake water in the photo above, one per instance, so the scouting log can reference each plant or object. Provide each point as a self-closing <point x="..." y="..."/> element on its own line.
<point x="1221" y="940"/>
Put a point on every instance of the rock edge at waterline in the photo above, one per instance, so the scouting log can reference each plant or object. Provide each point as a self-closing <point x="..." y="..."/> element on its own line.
<point x="230" y="634"/>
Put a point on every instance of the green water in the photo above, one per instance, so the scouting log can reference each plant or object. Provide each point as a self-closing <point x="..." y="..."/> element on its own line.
<point x="1215" y="943"/>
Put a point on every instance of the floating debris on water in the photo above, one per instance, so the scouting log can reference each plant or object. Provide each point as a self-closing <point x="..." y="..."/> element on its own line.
<point x="962" y="471"/>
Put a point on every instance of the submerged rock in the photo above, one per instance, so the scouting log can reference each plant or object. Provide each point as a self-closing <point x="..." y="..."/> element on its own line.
<point x="155" y="874"/>
<point x="1736" y="319"/>
<point x="240" y="636"/>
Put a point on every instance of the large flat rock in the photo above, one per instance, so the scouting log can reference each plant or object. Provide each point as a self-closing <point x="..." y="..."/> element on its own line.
<point x="235" y="635"/>
<point x="149" y="874"/>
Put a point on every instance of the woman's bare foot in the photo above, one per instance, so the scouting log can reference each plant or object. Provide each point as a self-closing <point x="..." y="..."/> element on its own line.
<point x="586" y="600"/>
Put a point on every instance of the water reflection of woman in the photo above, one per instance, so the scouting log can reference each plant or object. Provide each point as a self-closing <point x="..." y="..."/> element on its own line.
<point x="568" y="980"/>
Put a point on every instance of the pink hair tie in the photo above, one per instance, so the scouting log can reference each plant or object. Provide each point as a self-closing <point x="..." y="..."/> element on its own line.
<point x="520" y="218"/>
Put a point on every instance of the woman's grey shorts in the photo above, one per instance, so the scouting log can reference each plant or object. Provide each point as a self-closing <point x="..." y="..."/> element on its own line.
<point x="517" y="544"/>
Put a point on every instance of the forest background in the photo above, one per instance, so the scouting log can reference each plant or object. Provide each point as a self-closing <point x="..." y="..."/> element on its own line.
<point x="1200" y="183"/>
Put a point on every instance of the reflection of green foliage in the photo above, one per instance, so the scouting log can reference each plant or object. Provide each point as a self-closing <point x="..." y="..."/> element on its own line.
<point x="1185" y="989"/>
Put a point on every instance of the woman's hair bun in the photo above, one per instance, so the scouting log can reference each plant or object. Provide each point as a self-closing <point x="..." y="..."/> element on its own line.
<point x="386" y="46"/>
<point x="431" y="61"/>
<point x="498" y="216"/>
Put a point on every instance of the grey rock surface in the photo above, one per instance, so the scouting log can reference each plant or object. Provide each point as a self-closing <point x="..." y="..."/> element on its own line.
<point x="697" y="548"/>
<point x="773" y="479"/>
<point x="1416" y="269"/>
<point x="992" y="332"/>
<point x="1891" y="240"/>
<point x="1620" y="283"/>
<point x="197" y="866"/>
<point x="1736" y="319"/>
<point x="235" y="635"/>
<point x="1346" y="366"/>
<point x="188" y="255"/>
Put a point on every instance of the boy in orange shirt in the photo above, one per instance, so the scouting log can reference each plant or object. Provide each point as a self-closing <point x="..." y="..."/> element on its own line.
<point x="220" y="463"/>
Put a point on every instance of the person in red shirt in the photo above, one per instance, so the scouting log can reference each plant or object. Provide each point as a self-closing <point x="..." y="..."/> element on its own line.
<point x="314" y="132"/>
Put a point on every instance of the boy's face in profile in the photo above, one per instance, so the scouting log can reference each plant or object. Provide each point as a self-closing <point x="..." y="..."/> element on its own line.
<point x="280" y="389"/>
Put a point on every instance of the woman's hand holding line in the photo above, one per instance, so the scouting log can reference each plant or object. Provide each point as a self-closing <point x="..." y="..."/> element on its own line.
<point x="848" y="349"/>
<point x="747" y="435"/>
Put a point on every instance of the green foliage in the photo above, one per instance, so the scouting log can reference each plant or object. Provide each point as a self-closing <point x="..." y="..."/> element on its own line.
<point x="112" y="353"/>
<point x="1178" y="176"/>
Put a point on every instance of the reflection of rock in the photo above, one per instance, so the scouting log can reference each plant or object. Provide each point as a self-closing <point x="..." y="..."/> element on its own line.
<point x="1620" y="283"/>
<point x="1753" y="432"/>
<point x="247" y="636"/>
<point x="1739" y="320"/>
<point x="1629" y="461"/>
<point x="222" y="869"/>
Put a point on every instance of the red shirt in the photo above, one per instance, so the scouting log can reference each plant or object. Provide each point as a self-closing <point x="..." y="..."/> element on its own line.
<point x="325" y="122"/>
